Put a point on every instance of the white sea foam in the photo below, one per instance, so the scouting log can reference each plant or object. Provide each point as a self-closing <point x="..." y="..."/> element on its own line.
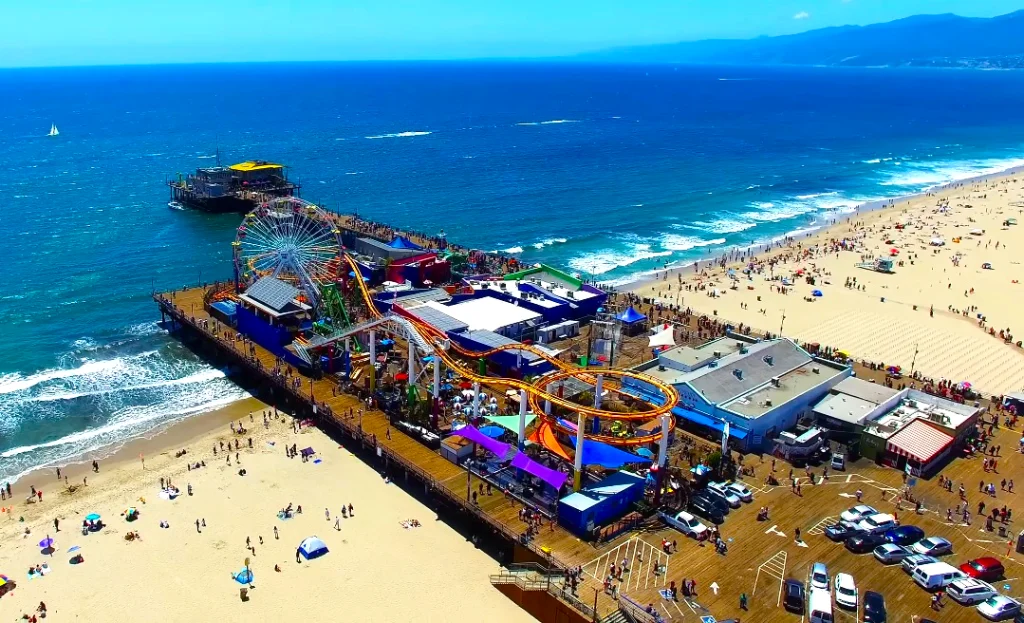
<point x="919" y="176"/>
<point x="199" y="377"/>
<point x="514" y="250"/>
<point x="399" y="135"/>
<point x="549" y="122"/>
<point x="600" y="262"/>
<point x="548" y="242"/>
<point x="675" y="242"/>
<point x="721" y="226"/>
<point x="15" y="382"/>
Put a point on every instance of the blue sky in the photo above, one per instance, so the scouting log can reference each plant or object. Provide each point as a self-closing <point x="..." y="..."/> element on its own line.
<point x="86" y="32"/>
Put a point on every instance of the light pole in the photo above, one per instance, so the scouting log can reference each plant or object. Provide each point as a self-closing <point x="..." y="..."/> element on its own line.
<point x="783" y="322"/>
<point x="913" y="361"/>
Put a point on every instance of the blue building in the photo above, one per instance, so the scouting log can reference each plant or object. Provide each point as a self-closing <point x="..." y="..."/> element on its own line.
<point x="600" y="503"/>
<point x="760" y="388"/>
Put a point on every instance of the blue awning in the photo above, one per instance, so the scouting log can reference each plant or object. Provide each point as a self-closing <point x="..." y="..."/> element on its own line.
<point x="597" y="453"/>
<point x="630" y="316"/>
<point x="709" y="422"/>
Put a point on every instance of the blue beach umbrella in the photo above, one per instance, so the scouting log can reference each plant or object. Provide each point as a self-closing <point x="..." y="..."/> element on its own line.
<point x="74" y="549"/>
<point x="245" y="576"/>
<point x="817" y="293"/>
<point x="92" y="517"/>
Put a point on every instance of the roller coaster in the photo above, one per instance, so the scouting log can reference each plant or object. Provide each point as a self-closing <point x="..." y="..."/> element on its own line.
<point x="538" y="391"/>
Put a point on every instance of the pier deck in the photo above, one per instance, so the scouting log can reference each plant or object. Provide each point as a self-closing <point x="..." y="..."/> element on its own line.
<point x="761" y="554"/>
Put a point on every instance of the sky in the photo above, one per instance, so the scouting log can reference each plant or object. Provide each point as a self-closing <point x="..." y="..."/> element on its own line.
<point x="104" y="32"/>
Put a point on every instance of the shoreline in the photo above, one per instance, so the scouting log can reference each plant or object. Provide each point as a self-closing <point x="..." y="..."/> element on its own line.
<point x="815" y="228"/>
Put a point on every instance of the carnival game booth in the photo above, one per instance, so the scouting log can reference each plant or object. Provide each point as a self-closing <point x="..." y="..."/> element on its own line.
<point x="419" y="270"/>
<point x="599" y="504"/>
<point x="631" y="321"/>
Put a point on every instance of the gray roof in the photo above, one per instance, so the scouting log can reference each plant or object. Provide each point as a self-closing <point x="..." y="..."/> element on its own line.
<point x="272" y="292"/>
<point x="865" y="390"/>
<point x="493" y="340"/>
<point x="409" y="298"/>
<point x="438" y="319"/>
<point x="791" y="384"/>
<point x="845" y="408"/>
<point x="720" y="384"/>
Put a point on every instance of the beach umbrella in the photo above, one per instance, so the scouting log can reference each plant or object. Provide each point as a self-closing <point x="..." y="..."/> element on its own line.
<point x="92" y="517"/>
<point x="47" y="542"/>
<point x="457" y="399"/>
<point x="465" y="385"/>
<point x="74" y="549"/>
<point x="468" y="393"/>
<point x="817" y="293"/>
<point x="645" y="453"/>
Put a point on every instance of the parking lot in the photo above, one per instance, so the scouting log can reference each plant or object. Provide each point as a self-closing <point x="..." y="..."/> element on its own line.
<point x="762" y="554"/>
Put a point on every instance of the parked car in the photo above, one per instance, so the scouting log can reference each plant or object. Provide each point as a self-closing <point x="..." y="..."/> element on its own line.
<point x="904" y="535"/>
<point x="878" y="523"/>
<point x="970" y="591"/>
<point x="890" y="553"/>
<point x="936" y="575"/>
<point x="846" y="591"/>
<point x="714" y="500"/>
<point x="855" y="514"/>
<point x="915" y="560"/>
<point x="685" y="523"/>
<point x="933" y="546"/>
<point x="874" y="607"/>
<point x="741" y="490"/>
<point x="719" y="489"/>
<point x="864" y="543"/>
<point x="999" y="608"/>
<point x="706" y="509"/>
<point x="841" y="531"/>
<point x="838" y="461"/>
<point x="819" y="576"/>
<point x="795" y="596"/>
<point x="986" y="568"/>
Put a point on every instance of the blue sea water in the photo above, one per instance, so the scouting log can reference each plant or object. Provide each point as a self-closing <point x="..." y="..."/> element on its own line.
<point x="610" y="171"/>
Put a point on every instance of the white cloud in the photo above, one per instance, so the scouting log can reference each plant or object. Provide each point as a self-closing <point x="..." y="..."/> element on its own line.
<point x="802" y="15"/>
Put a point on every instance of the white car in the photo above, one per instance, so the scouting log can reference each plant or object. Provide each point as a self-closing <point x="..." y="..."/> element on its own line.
<point x="855" y="514"/>
<point x="999" y="608"/>
<point x="846" y="591"/>
<point x="731" y="498"/>
<point x="819" y="576"/>
<point x="879" y="523"/>
<point x="686" y="523"/>
<point x="969" y="591"/>
<point x="741" y="490"/>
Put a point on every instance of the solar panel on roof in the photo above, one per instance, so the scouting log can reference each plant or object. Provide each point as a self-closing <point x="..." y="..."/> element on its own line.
<point x="273" y="293"/>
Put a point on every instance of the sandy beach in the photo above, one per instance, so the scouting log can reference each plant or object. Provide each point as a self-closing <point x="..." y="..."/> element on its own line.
<point x="377" y="570"/>
<point x="934" y="312"/>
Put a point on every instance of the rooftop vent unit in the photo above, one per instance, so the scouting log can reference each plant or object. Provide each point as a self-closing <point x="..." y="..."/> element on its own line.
<point x="717" y="354"/>
<point x="483" y="286"/>
<point x="767" y="402"/>
<point x="738" y="373"/>
<point x="816" y="370"/>
<point x="712" y="364"/>
<point x="743" y="349"/>
<point x="502" y="285"/>
<point x="661" y="368"/>
<point x="768" y="359"/>
<point x="570" y="294"/>
<point x="776" y="381"/>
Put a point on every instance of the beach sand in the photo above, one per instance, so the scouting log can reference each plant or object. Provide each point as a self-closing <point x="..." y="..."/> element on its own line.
<point x="376" y="570"/>
<point x="944" y="344"/>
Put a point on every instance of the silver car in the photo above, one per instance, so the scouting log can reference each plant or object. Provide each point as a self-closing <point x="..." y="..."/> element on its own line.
<point x="819" y="576"/>
<point x="890" y="553"/>
<point x="933" y="546"/>
<point x="970" y="591"/>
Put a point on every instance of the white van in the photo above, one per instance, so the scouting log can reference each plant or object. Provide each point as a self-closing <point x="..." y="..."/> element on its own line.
<point x="820" y="606"/>
<point x="936" y="575"/>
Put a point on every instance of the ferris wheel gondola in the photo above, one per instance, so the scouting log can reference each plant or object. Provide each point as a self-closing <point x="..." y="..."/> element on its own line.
<point x="289" y="239"/>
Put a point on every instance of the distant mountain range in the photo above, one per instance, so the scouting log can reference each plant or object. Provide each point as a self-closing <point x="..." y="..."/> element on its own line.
<point x="919" y="41"/>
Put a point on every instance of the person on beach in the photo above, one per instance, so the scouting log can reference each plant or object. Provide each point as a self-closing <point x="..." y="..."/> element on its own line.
<point x="197" y="527"/>
<point x="56" y="524"/>
<point x="275" y="534"/>
<point x="298" y="551"/>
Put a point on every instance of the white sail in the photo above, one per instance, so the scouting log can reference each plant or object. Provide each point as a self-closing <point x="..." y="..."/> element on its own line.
<point x="53" y="130"/>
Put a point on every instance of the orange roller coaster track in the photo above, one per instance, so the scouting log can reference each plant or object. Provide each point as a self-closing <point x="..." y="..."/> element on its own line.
<point x="537" y="391"/>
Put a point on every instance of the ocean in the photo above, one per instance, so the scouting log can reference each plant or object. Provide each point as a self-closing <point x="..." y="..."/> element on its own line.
<point x="608" y="171"/>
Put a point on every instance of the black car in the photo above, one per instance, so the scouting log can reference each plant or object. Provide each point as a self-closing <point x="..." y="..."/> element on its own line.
<point x="794" y="599"/>
<point x="904" y="535"/>
<point x="874" y="607"/>
<point x="721" y="505"/>
<point x="705" y="509"/>
<point x="840" y="532"/>
<point x="864" y="543"/>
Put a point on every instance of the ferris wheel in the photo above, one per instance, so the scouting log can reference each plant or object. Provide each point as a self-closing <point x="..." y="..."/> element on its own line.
<point x="289" y="239"/>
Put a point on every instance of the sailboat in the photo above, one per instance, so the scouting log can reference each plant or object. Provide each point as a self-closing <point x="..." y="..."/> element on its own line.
<point x="53" y="130"/>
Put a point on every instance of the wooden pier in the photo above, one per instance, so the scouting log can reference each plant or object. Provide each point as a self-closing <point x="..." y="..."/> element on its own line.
<point x="761" y="554"/>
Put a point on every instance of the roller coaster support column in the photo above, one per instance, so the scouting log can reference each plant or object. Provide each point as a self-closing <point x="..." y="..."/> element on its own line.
<point x="522" y="419"/>
<point x="577" y="475"/>
<point x="547" y="403"/>
<point x="476" y="399"/>
<point x="373" y="360"/>
<point x="436" y="402"/>
<point x="412" y="362"/>
<point x="662" y="458"/>
<point x="598" y="390"/>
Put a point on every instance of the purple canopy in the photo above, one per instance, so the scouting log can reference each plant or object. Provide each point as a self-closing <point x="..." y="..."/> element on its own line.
<point x="494" y="446"/>
<point x="553" y="477"/>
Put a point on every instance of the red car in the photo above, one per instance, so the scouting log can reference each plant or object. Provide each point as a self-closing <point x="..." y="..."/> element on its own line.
<point x="987" y="569"/>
